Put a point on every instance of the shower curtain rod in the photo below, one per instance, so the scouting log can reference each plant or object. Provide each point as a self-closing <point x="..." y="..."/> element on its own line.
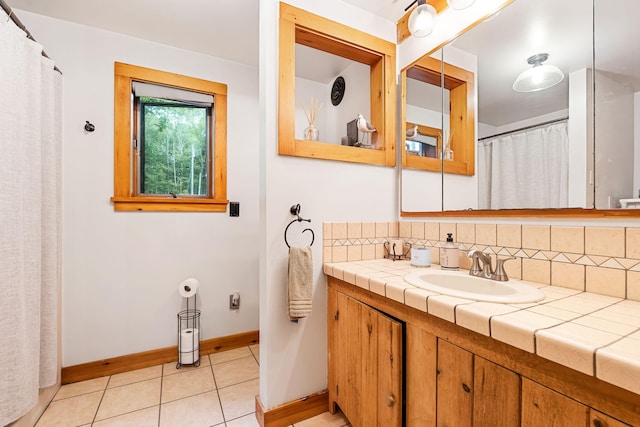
<point x="20" y="25"/>
<point x="550" y="122"/>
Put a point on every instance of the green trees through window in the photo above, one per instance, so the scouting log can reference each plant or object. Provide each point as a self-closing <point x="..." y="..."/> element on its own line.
<point x="174" y="148"/>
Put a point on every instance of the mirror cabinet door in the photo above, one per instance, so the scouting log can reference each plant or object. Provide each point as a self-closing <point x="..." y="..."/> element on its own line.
<point x="617" y="104"/>
<point x="533" y="147"/>
<point x="423" y="106"/>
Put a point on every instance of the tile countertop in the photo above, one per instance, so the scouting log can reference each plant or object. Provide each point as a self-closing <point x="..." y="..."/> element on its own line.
<point x="595" y="334"/>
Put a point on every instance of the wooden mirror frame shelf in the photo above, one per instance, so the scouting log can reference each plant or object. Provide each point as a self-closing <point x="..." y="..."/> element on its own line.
<point x="299" y="26"/>
<point x="460" y="84"/>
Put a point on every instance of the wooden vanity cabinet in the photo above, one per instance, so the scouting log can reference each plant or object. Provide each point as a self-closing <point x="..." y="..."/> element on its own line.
<point x="453" y="376"/>
<point x="365" y="363"/>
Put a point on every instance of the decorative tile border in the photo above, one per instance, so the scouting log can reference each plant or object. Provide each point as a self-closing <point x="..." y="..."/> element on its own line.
<point x="603" y="260"/>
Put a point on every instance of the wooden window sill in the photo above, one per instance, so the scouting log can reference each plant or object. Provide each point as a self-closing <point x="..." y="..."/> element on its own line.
<point x="168" y="204"/>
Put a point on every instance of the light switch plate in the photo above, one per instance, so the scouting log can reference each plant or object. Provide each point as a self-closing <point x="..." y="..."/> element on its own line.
<point x="234" y="209"/>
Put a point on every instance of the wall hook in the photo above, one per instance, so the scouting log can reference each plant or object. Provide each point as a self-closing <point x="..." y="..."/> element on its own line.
<point x="89" y="127"/>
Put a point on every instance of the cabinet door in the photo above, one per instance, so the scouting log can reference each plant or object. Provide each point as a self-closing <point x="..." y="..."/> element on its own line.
<point x="365" y="363"/>
<point x="389" y="376"/>
<point x="544" y="407"/>
<point x="421" y="355"/>
<point x="601" y="420"/>
<point x="496" y="397"/>
<point x="455" y="386"/>
<point x="333" y="348"/>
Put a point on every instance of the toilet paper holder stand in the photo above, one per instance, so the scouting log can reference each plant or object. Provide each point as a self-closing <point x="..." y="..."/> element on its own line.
<point x="188" y="333"/>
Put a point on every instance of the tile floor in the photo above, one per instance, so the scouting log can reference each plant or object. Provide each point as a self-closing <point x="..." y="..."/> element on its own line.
<point x="220" y="392"/>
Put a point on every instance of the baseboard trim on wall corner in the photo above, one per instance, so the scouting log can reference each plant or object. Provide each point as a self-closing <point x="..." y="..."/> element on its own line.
<point x="131" y="362"/>
<point x="294" y="411"/>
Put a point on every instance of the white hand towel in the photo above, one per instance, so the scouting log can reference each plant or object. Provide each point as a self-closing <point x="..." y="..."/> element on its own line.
<point x="300" y="286"/>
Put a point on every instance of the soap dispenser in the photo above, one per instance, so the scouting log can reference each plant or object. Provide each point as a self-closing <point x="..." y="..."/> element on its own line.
<point x="449" y="255"/>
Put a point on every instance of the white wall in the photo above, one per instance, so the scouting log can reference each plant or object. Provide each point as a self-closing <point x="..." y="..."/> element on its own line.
<point x="613" y="142"/>
<point x="293" y="360"/>
<point x="580" y="127"/>
<point x="121" y="270"/>
<point x="332" y="120"/>
<point x="636" y="144"/>
<point x="306" y="90"/>
<point x="356" y="101"/>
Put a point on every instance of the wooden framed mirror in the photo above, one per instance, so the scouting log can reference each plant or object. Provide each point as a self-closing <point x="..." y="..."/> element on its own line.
<point x="603" y="79"/>
<point x="299" y="28"/>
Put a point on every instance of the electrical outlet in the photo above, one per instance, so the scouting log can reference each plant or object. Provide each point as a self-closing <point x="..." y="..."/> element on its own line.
<point x="234" y="301"/>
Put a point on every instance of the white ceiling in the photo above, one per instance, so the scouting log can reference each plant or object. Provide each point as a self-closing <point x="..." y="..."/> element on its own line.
<point x="503" y="44"/>
<point x="222" y="28"/>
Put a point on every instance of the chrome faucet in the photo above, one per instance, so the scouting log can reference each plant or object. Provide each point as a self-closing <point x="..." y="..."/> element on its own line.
<point x="478" y="258"/>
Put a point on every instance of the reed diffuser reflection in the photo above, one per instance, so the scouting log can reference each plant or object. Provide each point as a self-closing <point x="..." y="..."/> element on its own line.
<point x="447" y="152"/>
<point x="312" y="133"/>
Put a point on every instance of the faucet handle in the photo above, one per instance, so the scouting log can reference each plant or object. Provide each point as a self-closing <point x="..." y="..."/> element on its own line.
<point x="499" y="274"/>
<point x="475" y="269"/>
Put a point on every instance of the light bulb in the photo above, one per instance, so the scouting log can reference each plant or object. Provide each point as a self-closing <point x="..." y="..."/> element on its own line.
<point x="422" y="20"/>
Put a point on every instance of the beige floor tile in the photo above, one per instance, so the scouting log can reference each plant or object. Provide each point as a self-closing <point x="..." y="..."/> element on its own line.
<point x="199" y="410"/>
<point x="129" y="398"/>
<point x="82" y="387"/>
<point x="187" y="384"/>
<point x="72" y="412"/>
<point x="147" y="417"/>
<point x="255" y="349"/>
<point x="246" y="421"/>
<point x="226" y="356"/>
<point x="170" y="368"/>
<point x="239" y="400"/>
<point x="324" y="420"/>
<point x="135" y="376"/>
<point x="236" y="371"/>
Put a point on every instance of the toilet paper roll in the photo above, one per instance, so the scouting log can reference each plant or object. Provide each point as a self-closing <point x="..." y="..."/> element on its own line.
<point x="189" y="339"/>
<point x="189" y="287"/>
<point x="189" y="346"/>
<point x="189" y="358"/>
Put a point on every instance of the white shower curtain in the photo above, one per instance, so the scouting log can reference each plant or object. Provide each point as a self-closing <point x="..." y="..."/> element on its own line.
<point x="525" y="169"/>
<point x="30" y="221"/>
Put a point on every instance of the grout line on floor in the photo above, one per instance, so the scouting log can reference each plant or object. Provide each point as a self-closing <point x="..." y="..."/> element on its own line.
<point x="160" y="397"/>
<point x="93" y="420"/>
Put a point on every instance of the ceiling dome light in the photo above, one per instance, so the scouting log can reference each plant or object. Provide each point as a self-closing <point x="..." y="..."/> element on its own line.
<point x="460" y="4"/>
<point x="539" y="77"/>
<point x="422" y="19"/>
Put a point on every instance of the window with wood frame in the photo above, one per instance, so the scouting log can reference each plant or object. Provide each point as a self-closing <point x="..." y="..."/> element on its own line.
<point x="170" y="142"/>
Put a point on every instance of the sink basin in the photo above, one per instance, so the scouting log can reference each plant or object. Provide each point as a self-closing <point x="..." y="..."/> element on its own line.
<point x="461" y="284"/>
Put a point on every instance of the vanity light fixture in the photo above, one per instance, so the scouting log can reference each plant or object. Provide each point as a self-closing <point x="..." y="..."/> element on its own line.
<point x="460" y="4"/>
<point x="538" y="77"/>
<point x="422" y="19"/>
